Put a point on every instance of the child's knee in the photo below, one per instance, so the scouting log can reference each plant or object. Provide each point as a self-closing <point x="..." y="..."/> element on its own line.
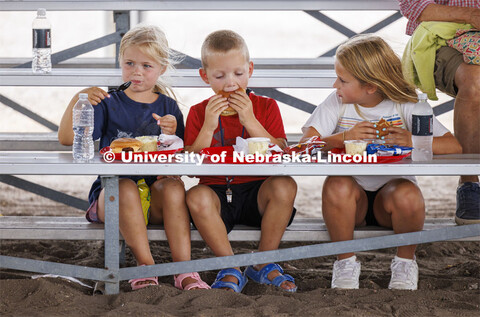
<point x="199" y="199"/>
<point x="127" y="190"/>
<point x="169" y="189"/>
<point x="337" y="188"/>
<point x="283" y="187"/>
<point x="408" y="199"/>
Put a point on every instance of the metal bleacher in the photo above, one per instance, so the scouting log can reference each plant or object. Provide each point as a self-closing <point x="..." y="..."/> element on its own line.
<point x="270" y="73"/>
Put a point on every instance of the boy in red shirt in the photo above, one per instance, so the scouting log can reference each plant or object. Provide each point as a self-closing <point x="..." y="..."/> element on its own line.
<point x="220" y="202"/>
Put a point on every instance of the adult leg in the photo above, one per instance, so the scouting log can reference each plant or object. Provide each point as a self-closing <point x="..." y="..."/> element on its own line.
<point x="275" y="204"/>
<point x="131" y="220"/>
<point x="399" y="205"/>
<point x="205" y="209"/>
<point x="466" y="118"/>
<point x="467" y="111"/>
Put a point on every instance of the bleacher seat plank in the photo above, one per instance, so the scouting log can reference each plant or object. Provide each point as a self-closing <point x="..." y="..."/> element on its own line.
<point x="109" y="62"/>
<point x="180" y="78"/>
<point x="41" y="141"/>
<point x="48" y="141"/>
<point x="185" y="5"/>
<point x="78" y="228"/>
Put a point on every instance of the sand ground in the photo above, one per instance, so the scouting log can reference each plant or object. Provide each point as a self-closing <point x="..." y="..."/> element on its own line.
<point x="449" y="272"/>
<point x="449" y="282"/>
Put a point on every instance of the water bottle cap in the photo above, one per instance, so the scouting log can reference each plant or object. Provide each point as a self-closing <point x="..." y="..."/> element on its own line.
<point x="82" y="96"/>
<point x="422" y="96"/>
<point x="41" y="12"/>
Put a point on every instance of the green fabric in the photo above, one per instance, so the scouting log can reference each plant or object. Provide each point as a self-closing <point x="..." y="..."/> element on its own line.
<point x="418" y="61"/>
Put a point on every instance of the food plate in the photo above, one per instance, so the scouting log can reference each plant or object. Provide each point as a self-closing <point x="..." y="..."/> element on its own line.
<point x="228" y="158"/>
<point x="118" y="156"/>
<point x="380" y="159"/>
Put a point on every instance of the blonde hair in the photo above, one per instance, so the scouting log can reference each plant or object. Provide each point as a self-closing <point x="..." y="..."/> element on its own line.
<point x="223" y="41"/>
<point x="151" y="40"/>
<point x="372" y="61"/>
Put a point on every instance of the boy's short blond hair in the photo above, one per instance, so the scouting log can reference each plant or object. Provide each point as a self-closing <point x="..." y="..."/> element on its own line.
<point x="223" y="41"/>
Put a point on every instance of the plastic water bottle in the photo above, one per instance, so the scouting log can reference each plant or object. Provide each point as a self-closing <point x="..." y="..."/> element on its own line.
<point x="83" y="148"/>
<point x="422" y="130"/>
<point x="42" y="50"/>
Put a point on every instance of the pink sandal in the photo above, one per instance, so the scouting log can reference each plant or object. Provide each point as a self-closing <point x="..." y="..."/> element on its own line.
<point x="135" y="283"/>
<point x="198" y="284"/>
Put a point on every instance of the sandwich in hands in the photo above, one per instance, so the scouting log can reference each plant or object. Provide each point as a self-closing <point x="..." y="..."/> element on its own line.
<point x="226" y="94"/>
<point x="382" y="124"/>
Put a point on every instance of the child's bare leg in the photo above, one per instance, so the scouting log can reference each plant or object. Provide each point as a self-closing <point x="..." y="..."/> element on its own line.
<point x="400" y="205"/>
<point x="168" y="207"/>
<point x="275" y="203"/>
<point x="131" y="220"/>
<point x="205" y="208"/>
<point x="344" y="206"/>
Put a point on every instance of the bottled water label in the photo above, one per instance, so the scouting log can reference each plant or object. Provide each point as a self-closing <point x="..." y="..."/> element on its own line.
<point x="42" y="43"/>
<point x="422" y="125"/>
<point x="42" y="38"/>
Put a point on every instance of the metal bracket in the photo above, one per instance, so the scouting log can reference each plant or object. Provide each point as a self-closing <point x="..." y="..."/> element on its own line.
<point x="122" y="25"/>
<point x="32" y="115"/>
<point x="44" y="192"/>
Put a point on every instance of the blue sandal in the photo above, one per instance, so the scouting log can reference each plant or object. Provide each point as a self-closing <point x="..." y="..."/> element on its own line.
<point x="237" y="288"/>
<point x="261" y="276"/>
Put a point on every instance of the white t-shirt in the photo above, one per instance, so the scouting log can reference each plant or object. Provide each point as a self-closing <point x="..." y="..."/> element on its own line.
<point x="328" y="119"/>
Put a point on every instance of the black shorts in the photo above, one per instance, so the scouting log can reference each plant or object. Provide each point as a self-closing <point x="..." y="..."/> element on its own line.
<point x="243" y="209"/>
<point x="370" y="216"/>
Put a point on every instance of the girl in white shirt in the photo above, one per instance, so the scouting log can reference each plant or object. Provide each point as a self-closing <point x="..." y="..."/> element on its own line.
<point x="370" y="85"/>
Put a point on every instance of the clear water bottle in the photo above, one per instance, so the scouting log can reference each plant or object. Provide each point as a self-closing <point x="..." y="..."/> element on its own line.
<point x="422" y="130"/>
<point x="42" y="62"/>
<point x="83" y="148"/>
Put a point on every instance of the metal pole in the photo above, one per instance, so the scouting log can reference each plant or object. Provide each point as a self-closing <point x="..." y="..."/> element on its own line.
<point x="111" y="234"/>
